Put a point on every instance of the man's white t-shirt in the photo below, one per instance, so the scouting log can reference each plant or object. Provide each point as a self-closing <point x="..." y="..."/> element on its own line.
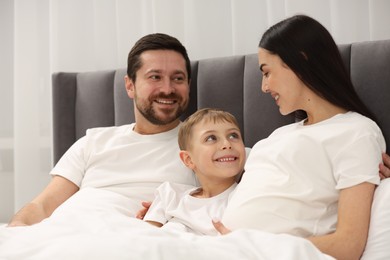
<point x="176" y="208"/>
<point x="293" y="178"/>
<point x="119" y="160"/>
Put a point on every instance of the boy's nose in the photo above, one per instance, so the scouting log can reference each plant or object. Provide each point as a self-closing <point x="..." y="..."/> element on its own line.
<point x="226" y="145"/>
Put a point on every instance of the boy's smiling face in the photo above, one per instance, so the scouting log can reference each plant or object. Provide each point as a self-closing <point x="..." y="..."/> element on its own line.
<point x="216" y="151"/>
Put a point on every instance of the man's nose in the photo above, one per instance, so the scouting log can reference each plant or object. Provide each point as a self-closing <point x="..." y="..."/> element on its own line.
<point x="167" y="86"/>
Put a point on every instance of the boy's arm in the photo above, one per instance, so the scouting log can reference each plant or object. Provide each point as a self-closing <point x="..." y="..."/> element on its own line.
<point x="56" y="192"/>
<point x="142" y="212"/>
<point x="155" y="212"/>
<point x="154" y="223"/>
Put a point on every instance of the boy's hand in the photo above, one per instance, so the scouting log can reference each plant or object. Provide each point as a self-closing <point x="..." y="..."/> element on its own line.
<point x="142" y="212"/>
<point x="220" y="227"/>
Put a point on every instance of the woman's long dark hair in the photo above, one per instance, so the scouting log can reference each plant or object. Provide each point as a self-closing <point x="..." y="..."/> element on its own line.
<point x="309" y="50"/>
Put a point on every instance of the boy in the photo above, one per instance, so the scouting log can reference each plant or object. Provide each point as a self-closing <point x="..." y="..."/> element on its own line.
<point x="211" y="145"/>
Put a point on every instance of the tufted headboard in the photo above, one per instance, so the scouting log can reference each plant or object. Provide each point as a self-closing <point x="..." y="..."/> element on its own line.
<point x="92" y="99"/>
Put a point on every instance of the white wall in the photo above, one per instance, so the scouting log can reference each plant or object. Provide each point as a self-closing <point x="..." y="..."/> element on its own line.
<point x="6" y="110"/>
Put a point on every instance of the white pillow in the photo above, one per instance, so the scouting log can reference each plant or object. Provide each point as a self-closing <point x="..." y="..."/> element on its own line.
<point x="379" y="235"/>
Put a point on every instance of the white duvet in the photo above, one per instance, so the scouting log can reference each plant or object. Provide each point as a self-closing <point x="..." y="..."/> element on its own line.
<point x="95" y="224"/>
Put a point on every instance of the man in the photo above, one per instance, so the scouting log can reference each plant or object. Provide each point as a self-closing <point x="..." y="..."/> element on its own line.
<point x="131" y="160"/>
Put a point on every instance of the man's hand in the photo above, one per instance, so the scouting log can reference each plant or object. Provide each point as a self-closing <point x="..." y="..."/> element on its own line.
<point x="220" y="227"/>
<point x="142" y="212"/>
<point x="384" y="168"/>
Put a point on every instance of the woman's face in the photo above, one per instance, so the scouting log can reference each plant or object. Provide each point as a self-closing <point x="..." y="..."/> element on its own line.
<point x="281" y="82"/>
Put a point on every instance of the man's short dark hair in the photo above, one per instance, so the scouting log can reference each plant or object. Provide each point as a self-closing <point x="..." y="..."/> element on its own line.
<point x="156" y="41"/>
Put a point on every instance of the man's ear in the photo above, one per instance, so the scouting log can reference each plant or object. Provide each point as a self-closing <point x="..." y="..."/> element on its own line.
<point x="186" y="159"/>
<point x="129" y="86"/>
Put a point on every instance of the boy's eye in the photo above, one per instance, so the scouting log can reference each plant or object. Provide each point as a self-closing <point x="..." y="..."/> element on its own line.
<point x="234" y="136"/>
<point x="265" y="74"/>
<point x="211" y="138"/>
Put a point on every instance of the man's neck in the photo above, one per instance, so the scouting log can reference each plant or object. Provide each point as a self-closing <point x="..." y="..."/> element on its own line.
<point x="147" y="128"/>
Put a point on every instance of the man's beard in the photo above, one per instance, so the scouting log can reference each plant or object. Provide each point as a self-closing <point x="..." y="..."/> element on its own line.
<point x="150" y="114"/>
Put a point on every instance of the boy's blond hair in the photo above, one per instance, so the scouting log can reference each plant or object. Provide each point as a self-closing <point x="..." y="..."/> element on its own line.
<point x="205" y="114"/>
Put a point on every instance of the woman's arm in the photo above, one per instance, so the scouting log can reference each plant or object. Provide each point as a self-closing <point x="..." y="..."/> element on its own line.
<point x="57" y="191"/>
<point x="349" y="239"/>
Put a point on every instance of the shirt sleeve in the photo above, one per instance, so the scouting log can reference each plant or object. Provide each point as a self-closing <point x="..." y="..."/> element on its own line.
<point x="359" y="161"/>
<point x="72" y="164"/>
<point x="157" y="211"/>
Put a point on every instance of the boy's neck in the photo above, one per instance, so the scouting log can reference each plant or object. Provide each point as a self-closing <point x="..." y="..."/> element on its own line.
<point x="209" y="191"/>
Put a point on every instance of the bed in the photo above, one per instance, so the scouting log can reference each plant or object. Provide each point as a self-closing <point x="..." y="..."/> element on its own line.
<point x="101" y="228"/>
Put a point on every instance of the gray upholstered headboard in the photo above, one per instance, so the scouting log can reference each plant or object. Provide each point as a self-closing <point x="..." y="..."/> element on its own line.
<point x="92" y="99"/>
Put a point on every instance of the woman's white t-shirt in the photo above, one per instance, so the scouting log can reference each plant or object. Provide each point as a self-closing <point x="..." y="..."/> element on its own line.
<point x="292" y="178"/>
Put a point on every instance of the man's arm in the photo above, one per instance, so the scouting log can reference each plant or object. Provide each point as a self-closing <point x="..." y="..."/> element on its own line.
<point x="57" y="191"/>
<point x="384" y="168"/>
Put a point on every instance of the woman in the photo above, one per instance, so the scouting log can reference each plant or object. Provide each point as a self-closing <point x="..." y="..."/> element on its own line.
<point x="315" y="178"/>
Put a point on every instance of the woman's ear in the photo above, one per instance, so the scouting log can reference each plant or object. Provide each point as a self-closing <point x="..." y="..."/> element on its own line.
<point x="129" y="86"/>
<point x="186" y="159"/>
<point x="304" y="55"/>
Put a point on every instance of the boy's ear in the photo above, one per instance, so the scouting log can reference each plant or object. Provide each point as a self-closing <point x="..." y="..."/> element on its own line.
<point x="186" y="159"/>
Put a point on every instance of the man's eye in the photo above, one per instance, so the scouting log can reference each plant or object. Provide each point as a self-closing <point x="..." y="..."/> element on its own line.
<point x="266" y="74"/>
<point x="179" y="79"/>
<point x="155" y="77"/>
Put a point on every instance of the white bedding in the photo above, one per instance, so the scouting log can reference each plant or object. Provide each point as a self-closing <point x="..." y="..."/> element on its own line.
<point x="94" y="224"/>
